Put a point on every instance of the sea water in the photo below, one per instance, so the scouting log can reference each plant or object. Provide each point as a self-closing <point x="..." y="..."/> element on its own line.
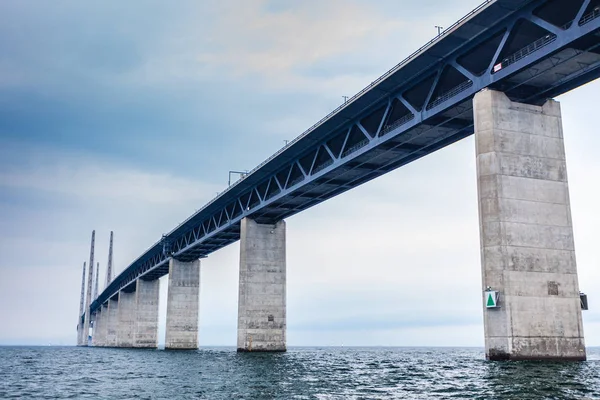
<point x="300" y="373"/>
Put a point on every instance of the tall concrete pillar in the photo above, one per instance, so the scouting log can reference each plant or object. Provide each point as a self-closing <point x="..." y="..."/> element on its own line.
<point x="80" y="341"/>
<point x="112" y="323"/>
<point x="146" y="319"/>
<point x="126" y="317"/>
<point x="527" y="248"/>
<point x="80" y="334"/>
<point x="102" y="326"/>
<point x="262" y="298"/>
<point x="183" y="304"/>
<point x="97" y="318"/>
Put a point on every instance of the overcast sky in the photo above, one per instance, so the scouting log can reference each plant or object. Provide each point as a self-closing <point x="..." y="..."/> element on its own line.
<point x="127" y="116"/>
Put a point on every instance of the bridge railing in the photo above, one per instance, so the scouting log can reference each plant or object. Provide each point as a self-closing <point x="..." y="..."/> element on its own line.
<point x="450" y="93"/>
<point x="394" y="125"/>
<point x="524" y="52"/>
<point x="590" y="17"/>
<point x="321" y="167"/>
<point x="355" y="147"/>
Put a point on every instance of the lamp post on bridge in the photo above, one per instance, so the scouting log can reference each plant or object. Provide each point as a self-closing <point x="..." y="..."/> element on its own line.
<point x="242" y="175"/>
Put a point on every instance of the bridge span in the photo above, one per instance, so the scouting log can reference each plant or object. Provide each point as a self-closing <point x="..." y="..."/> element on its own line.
<point x="493" y="73"/>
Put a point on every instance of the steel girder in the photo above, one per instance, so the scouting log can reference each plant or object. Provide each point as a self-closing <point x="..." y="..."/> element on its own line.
<point x="532" y="54"/>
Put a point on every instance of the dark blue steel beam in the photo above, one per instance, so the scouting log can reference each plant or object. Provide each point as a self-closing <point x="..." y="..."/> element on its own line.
<point x="341" y="152"/>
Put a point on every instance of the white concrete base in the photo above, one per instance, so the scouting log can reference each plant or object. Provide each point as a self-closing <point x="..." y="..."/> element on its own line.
<point x="183" y="304"/>
<point x="125" y="329"/>
<point x="146" y="317"/>
<point x="262" y="297"/>
<point x="527" y="247"/>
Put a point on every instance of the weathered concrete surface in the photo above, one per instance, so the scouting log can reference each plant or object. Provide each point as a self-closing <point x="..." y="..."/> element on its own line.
<point x="126" y="325"/>
<point x="146" y="318"/>
<point x="527" y="247"/>
<point x="112" y="323"/>
<point x="262" y="297"/>
<point x="183" y="304"/>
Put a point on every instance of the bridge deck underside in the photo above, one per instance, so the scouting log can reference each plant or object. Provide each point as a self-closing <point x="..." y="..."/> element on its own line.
<point x="540" y="50"/>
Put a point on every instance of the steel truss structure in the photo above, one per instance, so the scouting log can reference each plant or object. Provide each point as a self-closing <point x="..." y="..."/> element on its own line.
<point x="531" y="50"/>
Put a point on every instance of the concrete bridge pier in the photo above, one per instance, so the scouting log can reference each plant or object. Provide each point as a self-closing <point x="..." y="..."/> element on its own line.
<point x="112" y="322"/>
<point x="146" y="318"/>
<point x="126" y="319"/>
<point x="262" y="297"/>
<point x="183" y="304"/>
<point x="527" y="247"/>
<point x="80" y="333"/>
<point x="99" y="328"/>
<point x="95" y="318"/>
<point x="103" y="326"/>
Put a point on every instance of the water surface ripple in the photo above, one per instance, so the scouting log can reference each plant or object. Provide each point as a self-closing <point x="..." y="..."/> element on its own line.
<point x="301" y="373"/>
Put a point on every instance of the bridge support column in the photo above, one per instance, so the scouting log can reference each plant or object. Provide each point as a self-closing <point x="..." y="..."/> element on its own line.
<point x="80" y="335"/>
<point x="183" y="304"/>
<point x="146" y="319"/>
<point x="97" y="331"/>
<point x="527" y="248"/>
<point x="126" y="327"/>
<point x="262" y="298"/>
<point x="103" y="326"/>
<point x="112" y="322"/>
<point x="94" y="325"/>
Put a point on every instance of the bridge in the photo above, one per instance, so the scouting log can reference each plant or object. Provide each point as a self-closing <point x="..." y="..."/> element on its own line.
<point x="493" y="73"/>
